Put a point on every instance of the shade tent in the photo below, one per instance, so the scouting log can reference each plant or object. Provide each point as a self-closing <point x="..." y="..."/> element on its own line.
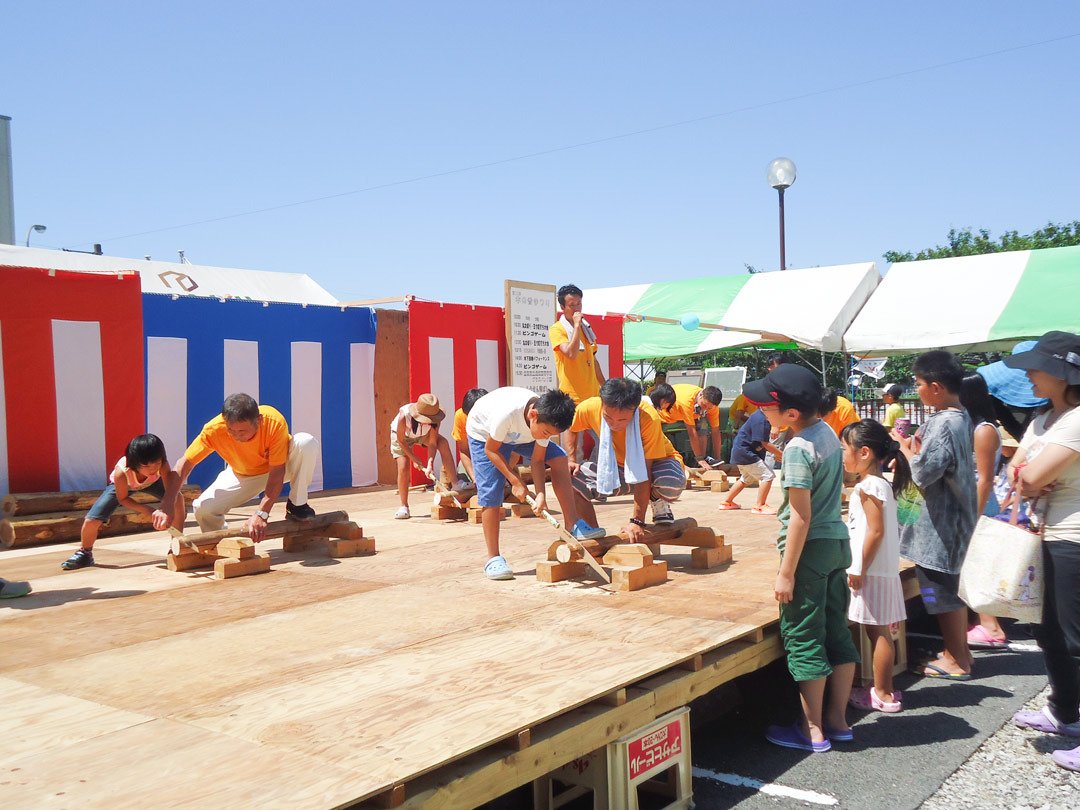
<point x="811" y="307"/>
<point x="970" y="303"/>
<point x="173" y="278"/>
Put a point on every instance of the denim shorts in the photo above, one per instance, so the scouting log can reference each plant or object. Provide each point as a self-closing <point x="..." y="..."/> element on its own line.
<point x="107" y="502"/>
<point x="490" y="483"/>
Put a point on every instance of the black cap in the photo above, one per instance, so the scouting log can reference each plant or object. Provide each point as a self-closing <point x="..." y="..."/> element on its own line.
<point x="793" y="382"/>
<point x="1056" y="353"/>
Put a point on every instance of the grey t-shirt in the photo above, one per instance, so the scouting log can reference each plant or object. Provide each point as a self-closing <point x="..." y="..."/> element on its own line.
<point x="814" y="460"/>
<point x="936" y="523"/>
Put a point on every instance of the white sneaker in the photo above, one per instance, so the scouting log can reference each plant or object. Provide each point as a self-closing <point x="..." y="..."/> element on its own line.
<point x="661" y="511"/>
<point x="402" y="513"/>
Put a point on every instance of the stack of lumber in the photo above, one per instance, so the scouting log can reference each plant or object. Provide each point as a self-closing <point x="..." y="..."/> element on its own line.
<point x="56" y="517"/>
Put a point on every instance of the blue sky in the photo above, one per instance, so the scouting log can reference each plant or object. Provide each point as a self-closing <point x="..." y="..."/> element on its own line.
<point x="132" y="118"/>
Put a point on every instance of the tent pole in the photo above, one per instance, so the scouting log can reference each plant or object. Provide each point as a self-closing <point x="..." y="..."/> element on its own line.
<point x="823" y="367"/>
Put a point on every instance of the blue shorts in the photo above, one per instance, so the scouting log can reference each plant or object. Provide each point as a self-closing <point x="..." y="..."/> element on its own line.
<point x="490" y="483"/>
<point x="107" y="502"/>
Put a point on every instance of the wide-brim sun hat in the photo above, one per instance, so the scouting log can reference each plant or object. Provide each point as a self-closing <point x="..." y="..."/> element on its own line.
<point x="1055" y="353"/>
<point x="426" y="409"/>
<point x="1011" y="385"/>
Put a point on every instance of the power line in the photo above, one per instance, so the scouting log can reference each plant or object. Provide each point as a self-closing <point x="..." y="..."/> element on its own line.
<point x="606" y="139"/>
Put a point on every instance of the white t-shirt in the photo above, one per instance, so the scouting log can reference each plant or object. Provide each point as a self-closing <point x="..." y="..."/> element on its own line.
<point x="413" y="429"/>
<point x="1062" y="506"/>
<point x="500" y="415"/>
<point x="886" y="562"/>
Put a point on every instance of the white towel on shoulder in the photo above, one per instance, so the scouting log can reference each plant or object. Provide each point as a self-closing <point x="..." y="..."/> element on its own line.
<point x="607" y="466"/>
<point x="586" y="330"/>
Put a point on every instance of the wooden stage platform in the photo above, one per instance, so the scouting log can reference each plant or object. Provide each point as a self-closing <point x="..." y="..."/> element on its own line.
<point x="400" y="679"/>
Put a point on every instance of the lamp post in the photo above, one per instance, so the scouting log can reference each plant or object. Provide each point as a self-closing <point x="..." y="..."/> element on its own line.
<point x="32" y="229"/>
<point x="780" y="175"/>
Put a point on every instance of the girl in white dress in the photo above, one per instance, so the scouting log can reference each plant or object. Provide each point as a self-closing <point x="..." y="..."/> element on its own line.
<point x="877" y="597"/>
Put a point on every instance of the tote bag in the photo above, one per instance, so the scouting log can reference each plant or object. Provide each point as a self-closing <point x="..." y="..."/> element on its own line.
<point x="1002" y="574"/>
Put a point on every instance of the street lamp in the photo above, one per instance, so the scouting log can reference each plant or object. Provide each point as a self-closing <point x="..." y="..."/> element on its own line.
<point x="781" y="174"/>
<point x="31" y="229"/>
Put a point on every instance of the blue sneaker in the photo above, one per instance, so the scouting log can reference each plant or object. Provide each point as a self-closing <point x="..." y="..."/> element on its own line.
<point x="497" y="568"/>
<point x="583" y="531"/>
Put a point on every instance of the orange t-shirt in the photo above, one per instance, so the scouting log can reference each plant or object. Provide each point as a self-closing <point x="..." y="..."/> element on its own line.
<point x="577" y="377"/>
<point x="843" y="416"/>
<point x="460" y="418"/>
<point x="589" y="415"/>
<point x="268" y="448"/>
<point x="683" y="409"/>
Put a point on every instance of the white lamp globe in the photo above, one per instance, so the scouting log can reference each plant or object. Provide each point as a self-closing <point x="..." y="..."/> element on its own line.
<point x="781" y="173"/>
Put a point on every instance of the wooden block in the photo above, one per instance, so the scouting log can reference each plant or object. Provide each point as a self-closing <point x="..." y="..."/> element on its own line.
<point x="631" y="555"/>
<point x="519" y="741"/>
<point x="238" y="548"/>
<point x="634" y="579"/>
<point x="395" y="797"/>
<point x="713" y="475"/>
<point x="347" y="530"/>
<point x="692" y="664"/>
<point x="719" y="486"/>
<point x="550" y="571"/>
<point x="898" y="634"/>
<point x="709" y="557"/>
<point x="226" y="568"/>
<point x="474" y="502"/>
<point x="448" y="513"/>
<point x="698" y="536"/>
<point x="616" y="698"/>
<point x="299" y="542"/>
<point x="521" y="510"/>
<point x="337" y="547"/>
<point x="188" y="562"/>
<point x="474" y="515"/>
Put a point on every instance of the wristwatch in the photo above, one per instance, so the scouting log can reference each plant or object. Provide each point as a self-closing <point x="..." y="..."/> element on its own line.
<point x="263" y="515"/>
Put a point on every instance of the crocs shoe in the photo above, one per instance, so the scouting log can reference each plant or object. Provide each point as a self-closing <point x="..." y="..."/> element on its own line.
<point x="1045" y="722"/>
<point x="661" y="511"/>
<point x="497" y="568"/>
<point x="1070" y="760"/>
<point x="83" y="558"/>
<point x="402" y="513"/>
<point x="762" y="510"/>
<point x="727" y="505"/>
<point x="835" y="735"/>
<point x="583" y="531"/>
<point x="866" y="699"/>
<point x="792" y="737"/>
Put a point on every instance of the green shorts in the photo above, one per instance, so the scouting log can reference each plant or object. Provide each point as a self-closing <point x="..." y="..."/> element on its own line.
<point x="814" y="624"/>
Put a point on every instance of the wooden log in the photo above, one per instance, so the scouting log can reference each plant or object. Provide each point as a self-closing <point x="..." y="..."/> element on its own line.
<point x="60" y="527"/>
<point x="21" y="504"/>
<point x="655" y="533"/>
<point x="275" y="528"/>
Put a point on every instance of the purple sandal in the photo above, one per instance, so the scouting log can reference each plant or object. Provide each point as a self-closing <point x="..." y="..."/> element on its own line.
<point x="1045" y="722"/>
<point x="1070" y="760"/>
<point x="792" y="737"/>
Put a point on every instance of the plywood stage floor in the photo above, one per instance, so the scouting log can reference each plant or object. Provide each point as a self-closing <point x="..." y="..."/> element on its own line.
<point x="400" y="677"/>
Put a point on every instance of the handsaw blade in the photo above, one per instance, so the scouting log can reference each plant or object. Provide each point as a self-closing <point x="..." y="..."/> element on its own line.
<point x="570" y="540"/>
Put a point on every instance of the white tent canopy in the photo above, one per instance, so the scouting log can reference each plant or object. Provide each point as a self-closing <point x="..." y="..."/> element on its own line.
<point x="970" y="303"/>
<point x="179" y="279"/>
<point x="812" y="307"/>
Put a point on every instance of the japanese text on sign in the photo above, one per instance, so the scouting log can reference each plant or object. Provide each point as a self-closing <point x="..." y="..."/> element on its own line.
<point x="654" y="749"/>
<point x="530" y="311"/>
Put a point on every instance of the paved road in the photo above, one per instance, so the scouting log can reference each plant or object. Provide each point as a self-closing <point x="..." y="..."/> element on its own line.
<point x="897" y="762"/>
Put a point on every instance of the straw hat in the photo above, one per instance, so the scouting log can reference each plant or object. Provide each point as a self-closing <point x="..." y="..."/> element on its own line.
<point x="426" y="409"/>
<point x="1007" y="439"/>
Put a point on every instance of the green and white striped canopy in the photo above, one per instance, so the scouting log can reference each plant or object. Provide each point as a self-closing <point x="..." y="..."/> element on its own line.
<point x="970" y="303"/>
<point x="811" y="307"/>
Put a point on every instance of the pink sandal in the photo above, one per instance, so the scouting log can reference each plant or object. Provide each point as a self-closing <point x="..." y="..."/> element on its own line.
<point x="762" y="510"/>
<point x="979" y="638"/>
<point x="866" y="698"/>
<point x="728" y="505"/>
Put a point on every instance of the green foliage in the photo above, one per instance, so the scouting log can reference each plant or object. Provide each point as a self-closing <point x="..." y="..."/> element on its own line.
<point x="965" y="243"/>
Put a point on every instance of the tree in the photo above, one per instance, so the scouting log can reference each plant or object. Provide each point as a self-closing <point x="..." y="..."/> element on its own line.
<point x="965" y="243"/>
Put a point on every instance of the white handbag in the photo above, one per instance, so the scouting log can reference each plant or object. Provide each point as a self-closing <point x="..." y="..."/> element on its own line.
<point x="1002" y="574"/>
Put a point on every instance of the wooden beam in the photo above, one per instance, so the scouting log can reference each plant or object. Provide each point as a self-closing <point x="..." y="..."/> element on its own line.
<point x="276" y="528"/>
<point x="21" y="504"/>
<point x="656" y="533"/>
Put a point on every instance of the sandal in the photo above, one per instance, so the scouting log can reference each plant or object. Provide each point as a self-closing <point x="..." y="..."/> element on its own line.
<point x="762" y="510"/>
<point x="1070" y="760"/>
<point x="866" y="699"/>
<point x="979" y="638"/>
<point x="1045" y="722"/>
<point x="727" y="505"/>
<point x="792" y="737"/>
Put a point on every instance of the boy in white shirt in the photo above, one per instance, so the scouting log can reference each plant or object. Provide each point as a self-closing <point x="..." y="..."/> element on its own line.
<point x="515" y="420"/>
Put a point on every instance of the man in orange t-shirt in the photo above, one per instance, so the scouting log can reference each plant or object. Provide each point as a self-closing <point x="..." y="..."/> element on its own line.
<point x="695" y="407"/>
<point x="261" y="456"/>
<point x="574" y="344"/>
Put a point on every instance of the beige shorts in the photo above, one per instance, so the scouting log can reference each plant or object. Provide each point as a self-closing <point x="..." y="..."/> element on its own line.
<point x="395" y="447"/>
<point x="755" y="473"/>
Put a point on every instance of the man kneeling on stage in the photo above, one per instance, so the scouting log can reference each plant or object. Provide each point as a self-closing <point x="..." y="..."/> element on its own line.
<point x="634" y="456"/>
<point x="254" y="441"/>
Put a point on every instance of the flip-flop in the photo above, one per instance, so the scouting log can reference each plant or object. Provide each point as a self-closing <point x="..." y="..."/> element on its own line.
<point x="979" y="639"/>
<point x="938" y="672"/>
